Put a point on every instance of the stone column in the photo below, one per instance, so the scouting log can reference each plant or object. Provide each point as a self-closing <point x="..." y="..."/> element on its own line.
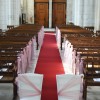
<point x="81" y="13"/>
<point x="88" y="15"/>
<point x="69" y="8"/>
<point x="4" y="13"/>
<point x="30" y="12"/>
<point x="97" y="15"/>
<point x="9" y="13"/>
<point x="78" y="12"/>
<point x="24" y="6"/>
<point x="16" y="12"/>
<point x="33" y="12"/>
<point x="50" y="13"/>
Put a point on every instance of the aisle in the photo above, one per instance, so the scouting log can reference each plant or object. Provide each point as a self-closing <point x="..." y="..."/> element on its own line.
<point x="49" y="64"/>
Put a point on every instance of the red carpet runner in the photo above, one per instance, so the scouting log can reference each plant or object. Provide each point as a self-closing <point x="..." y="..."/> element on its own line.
<point x="49" y="64"/>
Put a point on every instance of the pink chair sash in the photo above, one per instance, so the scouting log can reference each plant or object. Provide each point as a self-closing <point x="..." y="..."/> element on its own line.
<point x="58" y="37"/>
<point x="66" y="52"/>
<point x="77" y="63"/>
<point x="29" y="53"/>
<point x="23" y="63"/>
<point x="70" y="56"/>
<point x="33" y="47"/>
<point x="73" y="61"/>
<point x="19" y="70"/>
<point x="81" y="67"/>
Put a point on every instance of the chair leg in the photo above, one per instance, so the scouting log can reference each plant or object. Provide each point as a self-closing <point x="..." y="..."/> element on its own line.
<point x="14" y="91"/>
<point x="85" y="92"/>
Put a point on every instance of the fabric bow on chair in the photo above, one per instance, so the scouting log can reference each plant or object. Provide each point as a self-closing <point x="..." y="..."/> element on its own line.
<point x="69" y="87"/>
<point x="29" y="86"/>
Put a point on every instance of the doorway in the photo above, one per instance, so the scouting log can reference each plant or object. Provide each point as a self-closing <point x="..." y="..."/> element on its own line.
<point x="42" y="13"/>
<point x="59" y="13"/>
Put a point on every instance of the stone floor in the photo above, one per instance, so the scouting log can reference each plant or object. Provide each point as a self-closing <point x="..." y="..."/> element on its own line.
<point x="49" y="29"/>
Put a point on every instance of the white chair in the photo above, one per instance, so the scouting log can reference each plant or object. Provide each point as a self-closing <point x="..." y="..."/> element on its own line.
<point x="29" y="86"/>
<point x="69" y="87"/>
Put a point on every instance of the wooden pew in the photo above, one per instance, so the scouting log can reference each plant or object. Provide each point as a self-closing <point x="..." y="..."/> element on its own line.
<point x="91" y="69"/>
<point x="73" y="31"/>
<point x="9" y="75"/>
<point x="25" y="30"/>
<point x="12" y="43"/>
<point x="15" y="38"/>
<point x="30" y="34"/>
<point x="90" y="73"/>
<point x="89" y="49"/>
<point x="9" y="49"/>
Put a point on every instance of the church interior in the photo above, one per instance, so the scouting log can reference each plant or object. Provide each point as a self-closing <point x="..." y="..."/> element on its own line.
<point x="49" y="49"/>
